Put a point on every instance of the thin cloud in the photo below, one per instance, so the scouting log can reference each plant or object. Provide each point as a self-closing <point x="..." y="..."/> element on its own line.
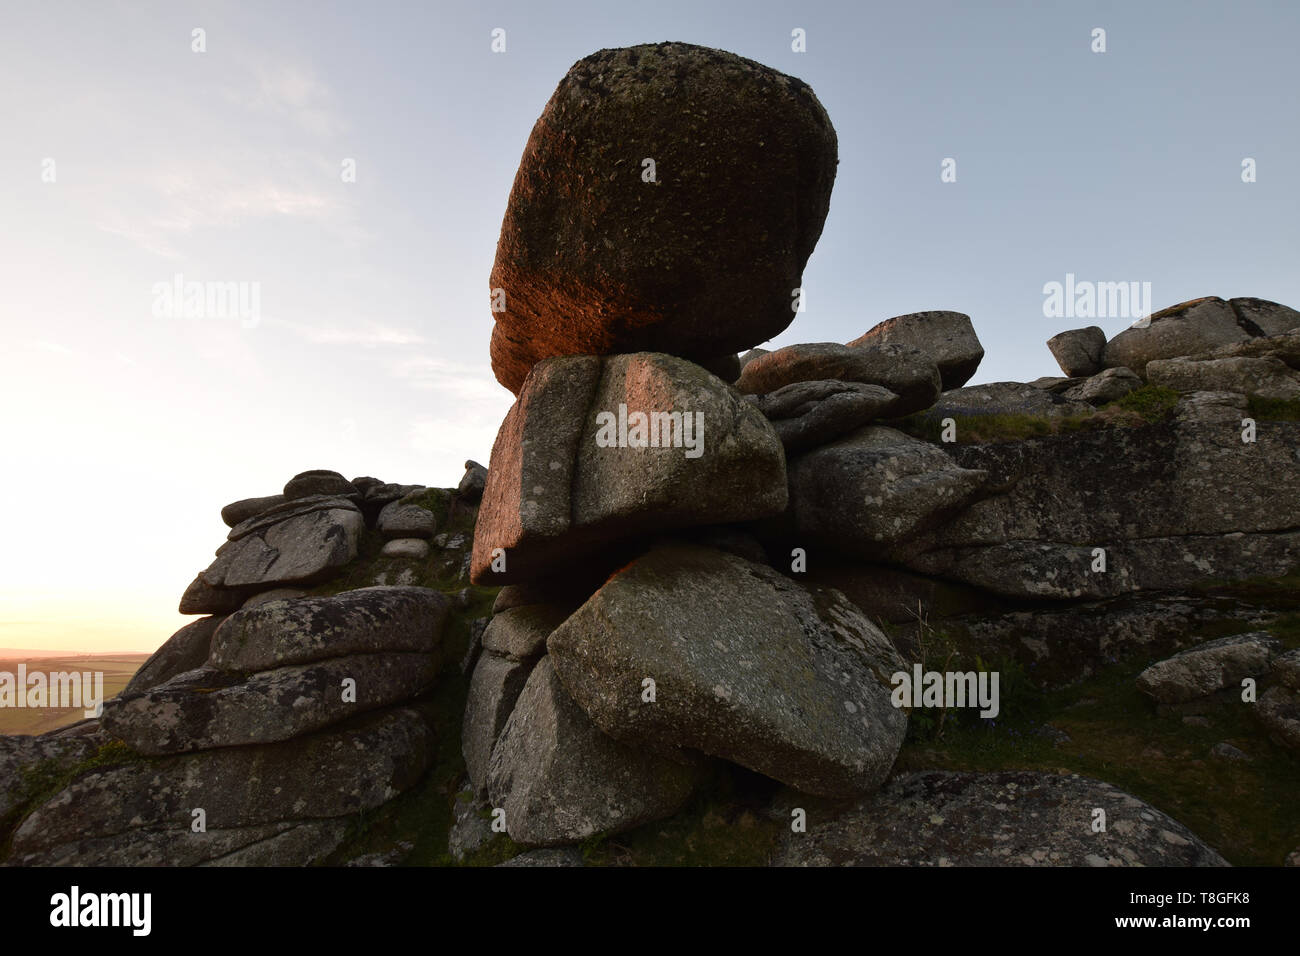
<point x="293" y="93"/>
<point x="466" y="383"/>
<point x="53" y="347"/>
<point x="369" y="335"/>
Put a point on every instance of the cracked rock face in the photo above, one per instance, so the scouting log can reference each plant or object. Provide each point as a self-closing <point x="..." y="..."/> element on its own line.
<point x="272" y="550"/>
<point x="560" y="779"/>
<point x="596" y="257"/>
<point x="908" y="372"/>
<point x="555" y="492"/>
<point x="1166" y="503"/>
<point x="1005" y="398"/>
<point x="512" y="643"/>
<point x="1184" y="329"/>
<point x="130" y="808"/>
<point x="875" y="488"/>
<point x="1266" y="377"/>
<point x="184" y="651"/>
<point x="747" y="666"/>
<point x="1272" y="318"/>
<point x="808" y="414"/>
<point x="1010" y="818"/>
<point x="209" y="708"/>
<point x="363" y="621"/>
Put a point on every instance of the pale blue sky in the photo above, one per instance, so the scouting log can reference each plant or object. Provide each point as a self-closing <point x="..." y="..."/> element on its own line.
<point x="125" y="433"/>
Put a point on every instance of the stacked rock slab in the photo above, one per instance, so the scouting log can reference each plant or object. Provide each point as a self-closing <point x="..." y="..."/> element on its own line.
<point x="597" y="450"/>
<point x="284" y="668"/>
<point x="1106" y="539"/>
<point x="611" y="446"/>
<point x="283" y="804"/>
<point x="273" y="726"/>
<point x="947" y="337"/>
<point x="911" y="374"/>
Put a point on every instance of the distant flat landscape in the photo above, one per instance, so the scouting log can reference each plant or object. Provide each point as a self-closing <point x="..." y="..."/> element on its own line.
<point x="117" y="669"/>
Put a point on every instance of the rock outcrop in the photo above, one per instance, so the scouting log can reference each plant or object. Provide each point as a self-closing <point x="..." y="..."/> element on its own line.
<point x="749" y="582"/>
<point x="1012" y="818"/>
<point x="253" y="738"/>
<point x="909" y="373"/>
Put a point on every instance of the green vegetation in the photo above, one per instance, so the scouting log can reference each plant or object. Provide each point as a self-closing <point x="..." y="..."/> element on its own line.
<point x="424" y="814"/>
<point x="1147" y="405"/>
<point x="44" y="780"/>
<point x="1153" y="403"/>
<point x="1278" y="594"/>
<point x="1274" y="409"/>
<point x="725" y="824"/>
<point x="1105" y="729"/>
<point x="437" y="571"/>
<point x="978" y="429"/>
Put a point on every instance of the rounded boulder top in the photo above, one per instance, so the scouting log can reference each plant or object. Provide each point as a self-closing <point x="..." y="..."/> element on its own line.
<point x="667" y="200"/>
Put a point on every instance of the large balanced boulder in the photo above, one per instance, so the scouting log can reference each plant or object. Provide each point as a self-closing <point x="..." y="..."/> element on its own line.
<point x="1188" y="328"/>
<point x="667" y="200"/>
<point x="559" y="779"/>
<point x="907" y="372"/>
<point x="1009" y="818"/>
<point x="364" y="621"/>
<point x="947" y="337"/>
<point x="599" y="449"/>
<point x="746" y="665"/>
